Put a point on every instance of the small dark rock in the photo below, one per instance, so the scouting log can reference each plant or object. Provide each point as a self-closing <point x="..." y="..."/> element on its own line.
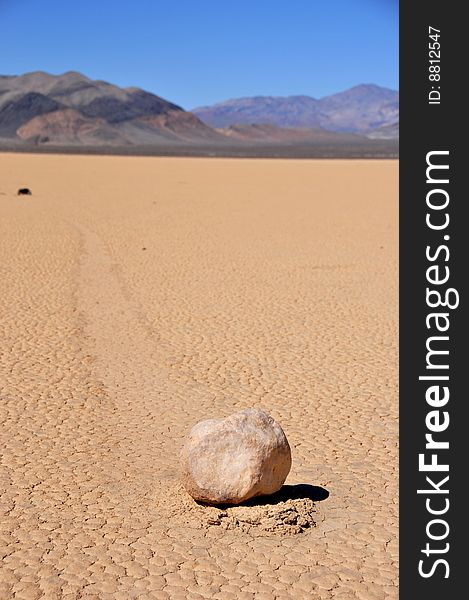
<point x="24" y="192"/>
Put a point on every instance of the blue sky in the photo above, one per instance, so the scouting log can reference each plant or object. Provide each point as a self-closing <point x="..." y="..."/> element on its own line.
<point x="200" y="52"/>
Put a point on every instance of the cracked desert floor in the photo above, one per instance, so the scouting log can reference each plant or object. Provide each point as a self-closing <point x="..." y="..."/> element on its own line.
<point x="141" y="295"/>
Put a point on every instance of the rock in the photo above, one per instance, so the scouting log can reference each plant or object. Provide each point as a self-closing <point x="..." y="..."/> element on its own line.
<point x="24" y="192"/>
<point x="227" y="461"/>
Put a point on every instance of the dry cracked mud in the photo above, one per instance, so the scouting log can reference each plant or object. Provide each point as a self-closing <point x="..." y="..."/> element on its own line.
<point x="140" y="295"/>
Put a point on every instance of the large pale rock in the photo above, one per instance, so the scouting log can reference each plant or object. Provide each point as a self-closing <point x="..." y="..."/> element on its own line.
<point x="227" y="461"/>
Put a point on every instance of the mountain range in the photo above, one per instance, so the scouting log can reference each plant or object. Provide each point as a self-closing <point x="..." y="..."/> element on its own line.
<point x="361" y="109"/>
<point x="72" y="110"/>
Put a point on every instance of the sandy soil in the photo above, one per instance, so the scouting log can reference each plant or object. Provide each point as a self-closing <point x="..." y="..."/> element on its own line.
<point x="140" y="295"/>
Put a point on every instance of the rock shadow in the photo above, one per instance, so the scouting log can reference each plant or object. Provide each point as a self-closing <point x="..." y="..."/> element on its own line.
<point x="299" y="491"/>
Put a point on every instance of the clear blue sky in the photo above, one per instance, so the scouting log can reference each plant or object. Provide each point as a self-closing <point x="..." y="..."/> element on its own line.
<point x="196" y="52"/>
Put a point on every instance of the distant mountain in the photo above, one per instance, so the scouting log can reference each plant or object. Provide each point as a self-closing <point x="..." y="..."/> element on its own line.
<point x="292" y="111"/>
<point x="71" y="109"/>
<point x="361" y="109"/>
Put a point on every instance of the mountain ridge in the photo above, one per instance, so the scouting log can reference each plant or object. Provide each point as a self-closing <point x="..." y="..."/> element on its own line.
<point x="360" y="109"/>
<point x="42" y="109"/>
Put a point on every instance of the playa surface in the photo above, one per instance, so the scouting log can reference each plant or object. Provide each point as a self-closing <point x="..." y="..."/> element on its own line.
<point x="141" y="295"/>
